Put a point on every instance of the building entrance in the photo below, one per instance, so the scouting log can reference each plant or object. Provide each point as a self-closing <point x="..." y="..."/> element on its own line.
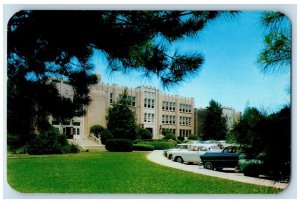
<point x="69" y="132"/>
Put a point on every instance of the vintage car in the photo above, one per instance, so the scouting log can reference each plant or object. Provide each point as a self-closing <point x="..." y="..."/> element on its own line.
<point x="251" y="167"/>
<point x="192" y="155"/>
<point x="178" y="147"/>
<point x="227" y="158"/>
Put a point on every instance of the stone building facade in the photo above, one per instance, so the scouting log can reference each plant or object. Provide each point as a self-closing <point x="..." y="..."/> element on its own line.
<point x="153" y="109"/>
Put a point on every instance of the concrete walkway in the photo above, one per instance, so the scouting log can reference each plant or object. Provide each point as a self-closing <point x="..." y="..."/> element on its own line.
<point x="229" y="174"/>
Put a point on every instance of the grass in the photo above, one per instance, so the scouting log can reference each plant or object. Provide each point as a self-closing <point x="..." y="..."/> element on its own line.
<point x="114" y="172"/>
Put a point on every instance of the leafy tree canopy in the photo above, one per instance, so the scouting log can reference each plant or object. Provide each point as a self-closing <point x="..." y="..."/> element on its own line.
<point x="276" y="54"/>
<point x="59" y="44"/>
<point x="215" y="123"/>
<point x="121" y="119"/>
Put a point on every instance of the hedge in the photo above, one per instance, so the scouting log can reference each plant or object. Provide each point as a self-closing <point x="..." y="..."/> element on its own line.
<point x="119" y="145"/>
<point x="160" y="144"/>
<point x="143" y="147"/>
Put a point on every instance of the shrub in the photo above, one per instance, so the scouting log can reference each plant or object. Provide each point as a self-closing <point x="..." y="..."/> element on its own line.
<point x="143" y="133"/>
<point x="106" y="135"/>
<point x="101" y="132"/>
<point x="180" y="138"/>
<point x="50" y="142"/>
<point x="119" y="145"/>
<point x="170" y="136"/>
<point x="143" y="147"/>
<point x="193" y="137"/>
<point x="96" y="130"/>
<point x="73" y="148"/>
<point x="160" y="144"/>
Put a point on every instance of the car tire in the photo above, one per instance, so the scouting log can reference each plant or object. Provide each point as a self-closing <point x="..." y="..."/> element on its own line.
<point x="209" y="166"/>
<point x="179" y="159"/>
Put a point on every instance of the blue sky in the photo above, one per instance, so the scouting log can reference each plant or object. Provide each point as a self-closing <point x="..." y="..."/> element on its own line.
<point x="229" y="75"/>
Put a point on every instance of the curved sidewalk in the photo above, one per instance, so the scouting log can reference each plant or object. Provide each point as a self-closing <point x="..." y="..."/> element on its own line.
<point x="158" y="157"/>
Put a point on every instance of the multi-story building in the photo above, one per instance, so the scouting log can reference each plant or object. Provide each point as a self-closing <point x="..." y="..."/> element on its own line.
<point x="154" y="110"/>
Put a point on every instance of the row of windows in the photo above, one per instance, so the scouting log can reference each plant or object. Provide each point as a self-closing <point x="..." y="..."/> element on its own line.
<point x="75" y="131"/>
<point x="149" y="103"/>
<point x="67" y="122"/>
<point x="169" y="106"/>
<point x="168" y="119"/>
<point x="185" y="120"/>
<point x="130" y="98"/>
<point x="185" y="108"/>
<point x="148" y="117"/>
<point x="185" y="133"/>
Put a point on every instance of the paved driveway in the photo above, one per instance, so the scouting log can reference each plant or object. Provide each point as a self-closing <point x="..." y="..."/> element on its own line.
<point x="158" y="157"/>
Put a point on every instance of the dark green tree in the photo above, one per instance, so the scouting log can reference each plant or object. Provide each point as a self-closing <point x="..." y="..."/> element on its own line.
<point x="267" y="137"/>
<point x="46" y="45"/>
<point x="215" y="126"/>
<point x="121" y="119"/>
<point x="276" y="54"/>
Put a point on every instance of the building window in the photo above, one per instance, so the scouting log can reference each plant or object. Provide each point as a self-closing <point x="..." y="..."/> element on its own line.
<point x="152" y="104"/>
<point x="55" y="122"/>
<point x="167" y="119"/>
<point x="149" y="118"/>
<point x="111" y="98"/>
<point x="149" y="103"/>
<point x="78" y="131"/>
<point x="163" y="119"/>
<point x="145" y="102"/>
<point x="133" y="101"/>
<point x="152" y="120"/>
<point x="167" y="105"/>
<point x="76" y="123"/>
<point x="74" y="131"/>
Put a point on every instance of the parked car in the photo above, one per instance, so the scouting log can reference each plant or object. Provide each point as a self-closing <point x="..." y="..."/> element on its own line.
<point x="227" y="158"/>
<point x="178" y="147"/>
<point x="251" y="167"/>
<point x="192" y="155"/>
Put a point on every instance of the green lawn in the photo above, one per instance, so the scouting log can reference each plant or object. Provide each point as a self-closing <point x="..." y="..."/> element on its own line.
<point x="106" y="172"/>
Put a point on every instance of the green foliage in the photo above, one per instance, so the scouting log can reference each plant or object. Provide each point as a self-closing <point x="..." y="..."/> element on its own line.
<point x="180" y="138"/>
<point x="106" y="135"/>
<point x="51" y="142"/>
<point x="143" y="134"/>
<point x="160" y="144"/>
<point x="101" y="132"/>
<point x="114" y="173"/>
<point x="119" y="145"/>
<point x="215" y="127"/>
<point x="143" y="147"/>
<point x="193" y="137"/>
<point x="276" y="55"/>
<point x="96" y="130"/>
<point x="121" y="119"/>
<point x="269" y="135"/>
<point x="168" y="135"/>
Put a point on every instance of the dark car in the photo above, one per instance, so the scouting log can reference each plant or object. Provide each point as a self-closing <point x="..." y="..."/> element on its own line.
<point x="227" y="158"/>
